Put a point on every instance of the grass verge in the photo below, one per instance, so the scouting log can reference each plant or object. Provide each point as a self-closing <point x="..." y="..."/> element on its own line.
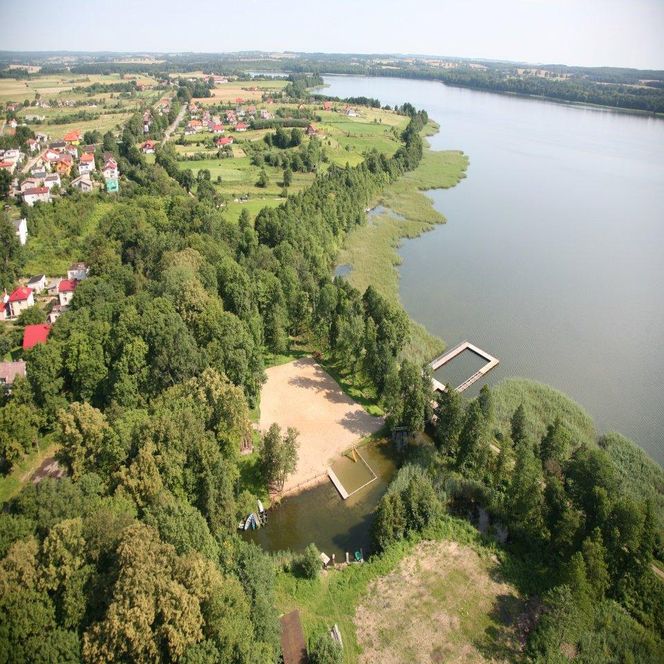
<point x="13" y="482"/>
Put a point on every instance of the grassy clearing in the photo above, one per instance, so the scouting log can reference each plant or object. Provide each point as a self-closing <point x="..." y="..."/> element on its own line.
<point x="233" y="210"/>
<point x="335" y="597"/>
<point x="55" y="249"/>
<point x="12" y="483"/>
<point x="542" y="404"/>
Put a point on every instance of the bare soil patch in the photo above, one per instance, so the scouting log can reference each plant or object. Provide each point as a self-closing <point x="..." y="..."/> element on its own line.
<point x="303" y="395"/>
<point x="443" y="603"/>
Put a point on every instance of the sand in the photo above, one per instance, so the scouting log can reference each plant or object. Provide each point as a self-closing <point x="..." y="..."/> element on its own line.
<point x="301" y="394"/>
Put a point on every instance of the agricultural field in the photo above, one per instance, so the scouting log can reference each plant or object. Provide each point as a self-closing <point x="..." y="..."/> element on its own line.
<point x="109" y="110"/>
<point x="344" y="140"/>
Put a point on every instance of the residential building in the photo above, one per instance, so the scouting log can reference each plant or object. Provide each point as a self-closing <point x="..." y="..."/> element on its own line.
<point x="148" y="147"/>
<point x="29" y="183"/>
<point x="56" y="311"/>
<point x="9" y="371"/>
<point x="86" y="163"/>
<point x="83" y="183"/>
<point x="66" y="291"/>
<point x="35" y="334"/>
<point x="77" y="272"/>
<point x="52" y="180"/>
<point x="73" y="137"/>
<point x="7" y="166"/>
<point x="241" y="126"/>
<point x="110" y="171"/>
<point x="20" y="300"/>
<point x="38" y="283"/>
<point x="36" y="195"/>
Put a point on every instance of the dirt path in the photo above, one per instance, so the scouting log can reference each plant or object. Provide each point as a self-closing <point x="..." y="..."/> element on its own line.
<point x="443" y="603"/>
<point x="301" y="394"/>
<point x="176" y="122"/>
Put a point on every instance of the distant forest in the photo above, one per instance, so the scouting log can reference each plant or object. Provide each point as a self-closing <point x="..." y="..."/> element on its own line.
<point x="633" y="89"/>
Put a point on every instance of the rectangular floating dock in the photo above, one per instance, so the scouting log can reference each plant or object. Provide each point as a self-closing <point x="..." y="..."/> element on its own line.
<point x="443" y="359"/>
<point x="345" y="493"/>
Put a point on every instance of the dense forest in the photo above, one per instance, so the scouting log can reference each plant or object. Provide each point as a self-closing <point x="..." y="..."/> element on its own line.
<point x="147" y="385"/>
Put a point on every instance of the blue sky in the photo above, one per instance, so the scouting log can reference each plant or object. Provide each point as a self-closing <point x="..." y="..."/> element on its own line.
<point x="585" y="32"/>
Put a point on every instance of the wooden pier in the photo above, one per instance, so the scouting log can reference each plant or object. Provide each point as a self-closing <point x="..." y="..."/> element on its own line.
<point x="443" y="359"/>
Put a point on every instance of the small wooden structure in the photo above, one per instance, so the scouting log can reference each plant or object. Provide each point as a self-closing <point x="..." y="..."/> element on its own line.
<point x="293" y="646"/>
<point x="443" y="359"/>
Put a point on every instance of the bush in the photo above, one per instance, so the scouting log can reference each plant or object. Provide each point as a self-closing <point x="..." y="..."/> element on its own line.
<point x="325" y="650"/>
<point x="309" y="564"/>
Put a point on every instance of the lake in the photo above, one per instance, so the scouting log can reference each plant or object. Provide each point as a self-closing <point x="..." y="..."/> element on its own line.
<point x="553" y="255"/>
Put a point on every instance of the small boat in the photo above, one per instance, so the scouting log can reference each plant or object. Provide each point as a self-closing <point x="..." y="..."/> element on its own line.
<point x="247" y="522"/>
<point x="254" y="521"/>
<point x="261" y="509"/>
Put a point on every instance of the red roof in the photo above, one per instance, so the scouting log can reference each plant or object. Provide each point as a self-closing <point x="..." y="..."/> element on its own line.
<point x="36" y="190"/>
<point x="6" y="164"/>
<point x="86" y="157"/>
<point x="67" y="286"/>
<point x="35" y="334"/>
<point x="226" y="140"/>
<point x="241" y="125"/>
<point x="20" y="294"/>
<point x="72" y="136"/>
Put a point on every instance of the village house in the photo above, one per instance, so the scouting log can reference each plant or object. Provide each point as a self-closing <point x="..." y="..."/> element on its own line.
<point x="36" y="195"/>
<point x="110" y="171"/>
<point x="21" y="229"/>
<point x="241" y="126"/>
<point x="89" y="149"/>
<point x="66" y="291"/>
<point x="148" y="147"/>
<point x="73" y="137"/>
<point x="9" y="372"/>
<point x="327" y="105"/>
<point x="32" y="144"/>
<point x="53" y="287"/>
<point x="35" y="334"/>
<point x="56" y="311"/>
<point x="350" y="112"/>
<point x="41" y="137"/>
<point x="224" y="140"/>
<point x="265" y="114"/>
<point x="29" y="183"/>
<point x="311" y="130"/>
<point x="38" y="173"/>
<point x="77" y="272"/>
<point x="20" y="300"/>
<point x="217" y="128"/>
<point x="58" y="145"/>
<point x="83" y="183"/>
<point x="38" y="284"/>
<point x="72" y="151"/>
<point x="64" y="164"/>
<point x="7" y="166"/>
<point x="52" y="180"/>
<point x="86" y="164"/>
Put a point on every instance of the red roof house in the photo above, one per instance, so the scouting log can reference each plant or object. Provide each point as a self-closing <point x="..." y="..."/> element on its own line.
<point x="20" y="300"/>
<point x="225" y="140"/>
<point x="35" y="334"/>
<point x="241" y="126"/>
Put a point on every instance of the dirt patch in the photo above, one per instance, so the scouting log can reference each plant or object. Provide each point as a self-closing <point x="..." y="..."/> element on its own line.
<point x="443" y="603"/>
<point x="303" y="395"/>
<point x="49" y="467"/>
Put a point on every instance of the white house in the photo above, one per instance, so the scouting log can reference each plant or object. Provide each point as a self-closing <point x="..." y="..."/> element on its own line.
<point x="21" y="226"/>
<point x="52" y="180"/>
<point x="36" y="195"/>
<point x="86" y="163"/>
<point x="110" y="171"/>
<point x="38" y="283"/>
<point x="20" y="300"/>
<point x="77" y="272"/>
<point x="66" y="291"/>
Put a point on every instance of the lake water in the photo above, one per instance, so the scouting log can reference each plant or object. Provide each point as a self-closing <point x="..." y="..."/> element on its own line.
<point x="553" y="255"/>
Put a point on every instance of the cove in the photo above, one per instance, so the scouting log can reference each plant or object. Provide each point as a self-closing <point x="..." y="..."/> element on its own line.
<point x="553" y="254"/>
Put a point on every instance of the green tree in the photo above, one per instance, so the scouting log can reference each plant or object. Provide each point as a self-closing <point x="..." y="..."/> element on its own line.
<point x="449" y="423"/>
<point x="518" y="426"/>
<point x="288" y="177"/>
<point x="11" y="252"/>
<point x="325" y="650"/>
<point x="263" y="179"/>
<point x="278" y="455"/>
<point x="309" y="563"/>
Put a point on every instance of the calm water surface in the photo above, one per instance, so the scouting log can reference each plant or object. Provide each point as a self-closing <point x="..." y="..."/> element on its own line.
<point x="553" y="255"/>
